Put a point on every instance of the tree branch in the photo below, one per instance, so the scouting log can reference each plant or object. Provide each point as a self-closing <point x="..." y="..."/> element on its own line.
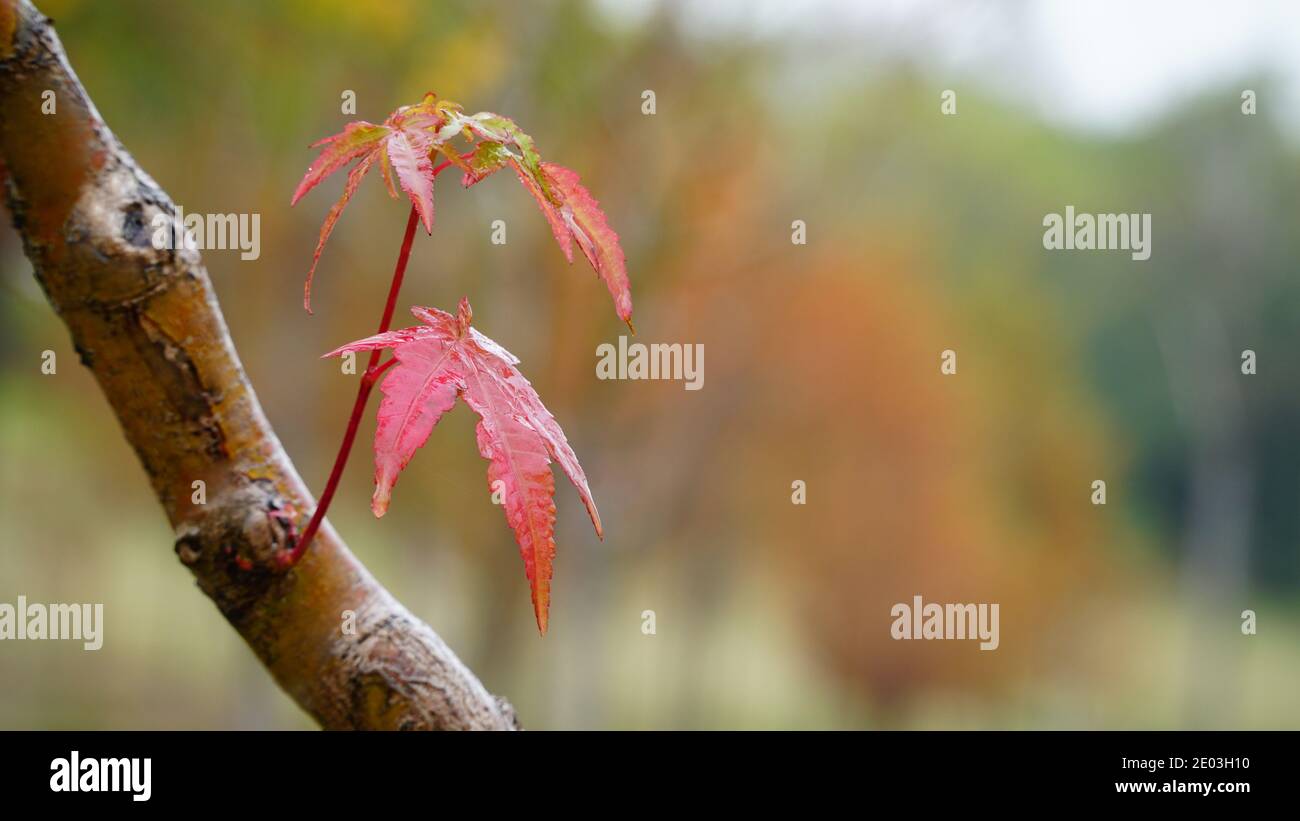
<point x="147" y="324"/>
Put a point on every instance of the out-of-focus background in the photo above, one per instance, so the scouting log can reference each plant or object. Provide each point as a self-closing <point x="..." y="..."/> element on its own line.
<point x="924" y="233"/>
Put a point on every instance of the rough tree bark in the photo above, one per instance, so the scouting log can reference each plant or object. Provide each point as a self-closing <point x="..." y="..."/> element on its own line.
<point x="147" y="324"/>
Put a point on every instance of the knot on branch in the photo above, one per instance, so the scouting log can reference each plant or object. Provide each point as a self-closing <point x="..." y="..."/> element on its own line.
<point x="233" y="541"/>
<point x="403" y="676"/>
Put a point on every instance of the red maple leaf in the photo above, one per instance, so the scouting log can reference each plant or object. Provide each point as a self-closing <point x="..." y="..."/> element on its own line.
<point x="445" y="359"/>
<point x="404" y="147"/>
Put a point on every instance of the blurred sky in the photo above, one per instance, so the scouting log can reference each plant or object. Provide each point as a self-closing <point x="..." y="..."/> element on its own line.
<point x="1101" y="65"/>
